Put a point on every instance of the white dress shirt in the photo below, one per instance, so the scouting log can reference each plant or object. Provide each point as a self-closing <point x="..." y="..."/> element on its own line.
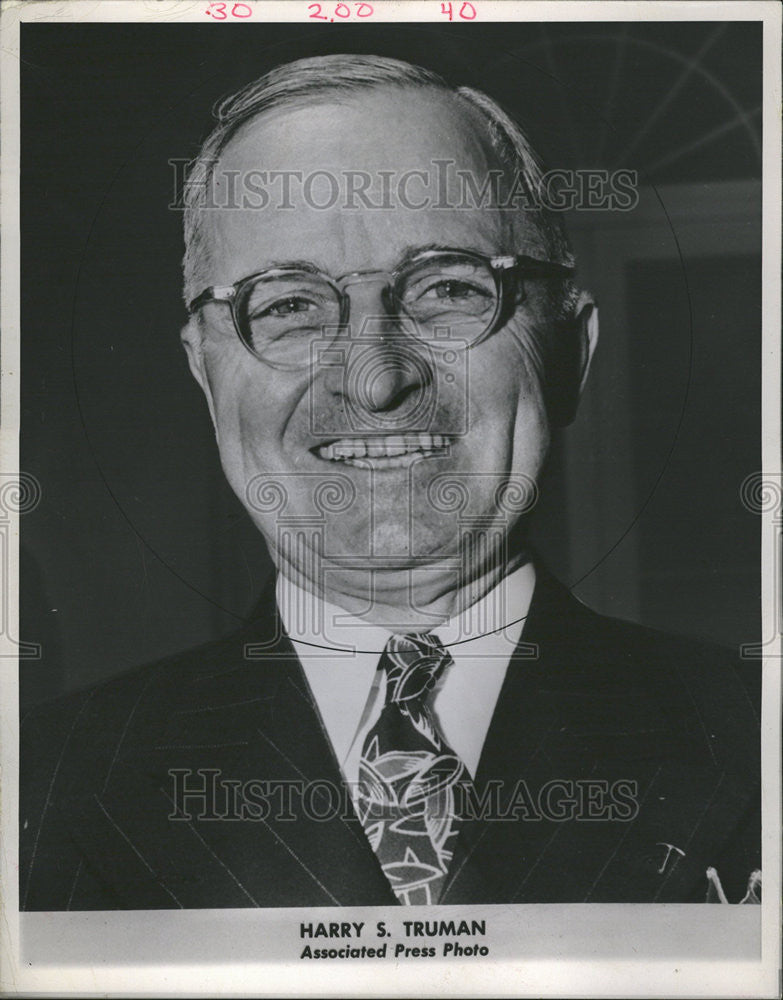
<point x="340" y="656"/>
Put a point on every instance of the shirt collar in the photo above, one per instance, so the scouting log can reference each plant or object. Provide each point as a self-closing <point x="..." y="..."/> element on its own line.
<point x="340" y="654"/>
<point x="325" y="629"/>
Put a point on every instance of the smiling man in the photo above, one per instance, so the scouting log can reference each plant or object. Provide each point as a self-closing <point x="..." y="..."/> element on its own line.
<point x="417" y="712"/>
<point x="335" y="341"/>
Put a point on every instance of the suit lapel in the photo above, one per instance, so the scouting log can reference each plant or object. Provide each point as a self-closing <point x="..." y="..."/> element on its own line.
<point x="569" y="716"/>
<point x="246" y="733"/>
<point x="327" y="836"/>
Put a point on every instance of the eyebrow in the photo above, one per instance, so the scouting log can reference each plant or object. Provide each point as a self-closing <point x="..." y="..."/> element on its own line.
<point x="306" y="265"/>
<point x="414" y="251"/>
<point x="408" y="254"/>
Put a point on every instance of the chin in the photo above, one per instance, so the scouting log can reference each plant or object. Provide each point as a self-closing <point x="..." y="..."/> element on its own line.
<point x="419" y="543"/>
<point x="391" y="539"/>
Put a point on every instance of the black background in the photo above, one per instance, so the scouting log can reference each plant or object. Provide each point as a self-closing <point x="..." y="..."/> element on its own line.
<point x="138" y="548"/>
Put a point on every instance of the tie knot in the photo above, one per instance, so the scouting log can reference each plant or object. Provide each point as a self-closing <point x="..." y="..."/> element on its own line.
<point x="413" y="664"/>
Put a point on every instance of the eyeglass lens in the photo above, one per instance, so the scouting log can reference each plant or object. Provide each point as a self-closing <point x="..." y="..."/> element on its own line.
<point x="452" y="298"/>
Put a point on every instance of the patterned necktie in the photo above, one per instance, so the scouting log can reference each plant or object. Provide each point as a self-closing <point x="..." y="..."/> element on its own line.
<point x="409" y="777"/>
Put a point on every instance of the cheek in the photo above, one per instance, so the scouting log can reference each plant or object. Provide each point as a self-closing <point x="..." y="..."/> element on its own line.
<point x="511" y="431"/>
<point x="241" y="391"/>
<point x="506" y="390"/>
<point x="531" y="433"/>
<point x="250" y="406"/>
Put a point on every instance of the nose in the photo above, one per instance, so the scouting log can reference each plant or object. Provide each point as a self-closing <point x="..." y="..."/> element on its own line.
<point x="384" y="375"/>
<point x="384" y="368"/>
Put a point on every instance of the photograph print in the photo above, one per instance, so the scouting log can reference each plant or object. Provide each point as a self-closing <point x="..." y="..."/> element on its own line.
<point x="363" y="572"/>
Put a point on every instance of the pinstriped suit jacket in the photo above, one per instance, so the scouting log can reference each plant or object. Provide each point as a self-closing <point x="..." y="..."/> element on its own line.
<point x="586" y="700"/>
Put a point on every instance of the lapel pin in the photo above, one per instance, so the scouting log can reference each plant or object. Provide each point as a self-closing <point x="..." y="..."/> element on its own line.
<point x="669" y="849"/>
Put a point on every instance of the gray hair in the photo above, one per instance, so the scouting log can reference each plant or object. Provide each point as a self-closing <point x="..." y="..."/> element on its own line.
<point x="323" y="77"/>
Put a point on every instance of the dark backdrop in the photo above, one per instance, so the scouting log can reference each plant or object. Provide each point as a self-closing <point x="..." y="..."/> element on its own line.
<point x="138" y="548"/>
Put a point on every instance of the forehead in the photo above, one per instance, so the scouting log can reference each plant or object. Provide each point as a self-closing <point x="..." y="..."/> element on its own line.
<point x="378" y="128"/>
<point x="301" y="156"/>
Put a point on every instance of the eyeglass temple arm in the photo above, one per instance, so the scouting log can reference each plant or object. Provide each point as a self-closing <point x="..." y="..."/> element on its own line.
<point x="533" y="264"/>
<point x="215" y="293"/>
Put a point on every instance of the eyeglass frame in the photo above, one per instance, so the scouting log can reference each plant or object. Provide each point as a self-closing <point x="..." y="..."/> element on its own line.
<point x="503" y="268"/>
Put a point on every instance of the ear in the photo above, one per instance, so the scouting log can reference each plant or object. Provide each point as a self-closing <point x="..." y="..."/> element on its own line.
<point x="587" y="332"/>
<point x="193" y="341"/>
<point x="570" y="361"/>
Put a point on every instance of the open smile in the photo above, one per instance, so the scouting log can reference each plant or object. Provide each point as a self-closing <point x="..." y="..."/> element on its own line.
<point x="389" y="452"/>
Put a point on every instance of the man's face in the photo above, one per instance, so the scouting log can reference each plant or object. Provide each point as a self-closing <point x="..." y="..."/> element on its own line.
<point x="359" y="422"/>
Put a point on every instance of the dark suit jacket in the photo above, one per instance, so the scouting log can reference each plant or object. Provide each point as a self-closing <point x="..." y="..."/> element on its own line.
<point x="601" y="700"/>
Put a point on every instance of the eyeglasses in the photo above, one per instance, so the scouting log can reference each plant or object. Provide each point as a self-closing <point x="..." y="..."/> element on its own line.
<point x="452" y="296"/>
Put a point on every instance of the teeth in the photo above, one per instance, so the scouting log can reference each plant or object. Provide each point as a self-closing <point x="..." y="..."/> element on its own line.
<point x="386" y="447"/>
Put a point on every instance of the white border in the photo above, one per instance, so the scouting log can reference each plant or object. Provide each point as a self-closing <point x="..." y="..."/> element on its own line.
<point x="771" y="462"/>
<point x="625" y="929"/>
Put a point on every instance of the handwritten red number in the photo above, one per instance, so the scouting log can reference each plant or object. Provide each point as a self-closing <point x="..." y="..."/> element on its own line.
<point x="467" y="11"/>
<point x="445" y="8"/>
<point x="218" y="11"/>
<point x="345" y="7"/>
<point x="237" y="13"/>
<point x="317" y="15"/>
<point x="366" y="7"/>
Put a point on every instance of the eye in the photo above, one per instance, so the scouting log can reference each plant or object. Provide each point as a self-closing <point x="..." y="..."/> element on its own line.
<point x="285" y="307"/>
<point x="451" y="288"/>
<point x="455" y="293"/>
